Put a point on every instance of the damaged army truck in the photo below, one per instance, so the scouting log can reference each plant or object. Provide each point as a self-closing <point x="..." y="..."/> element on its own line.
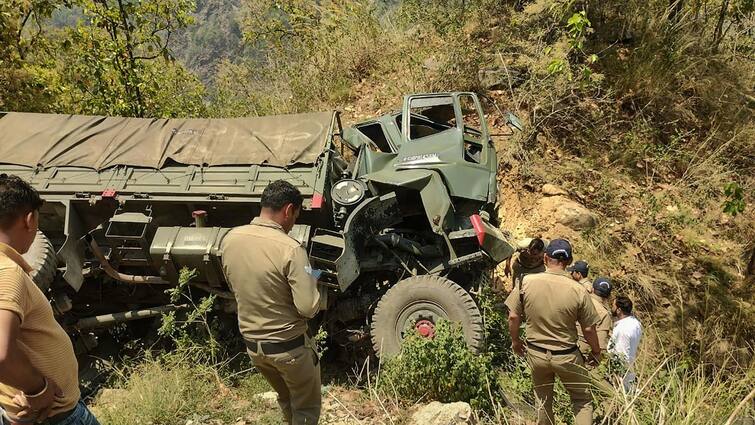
<point x="397" y="214"/>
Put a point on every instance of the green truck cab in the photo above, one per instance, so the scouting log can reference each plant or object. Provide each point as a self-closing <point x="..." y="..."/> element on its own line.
<point x="398" y="211"/>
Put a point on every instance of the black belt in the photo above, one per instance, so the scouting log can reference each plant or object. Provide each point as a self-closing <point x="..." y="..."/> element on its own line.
<point x="554" y="352"/>
<point x="60" y="417"/>
<point x="274" y="347"/>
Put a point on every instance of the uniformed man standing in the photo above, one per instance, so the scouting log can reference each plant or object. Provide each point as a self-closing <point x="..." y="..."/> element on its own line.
<point x="579" y="271"/>
<point x="276" y="291"/>
<point x="600" y="297"/>
<point x="527" y="260"/>
<point x="551" y="302"/>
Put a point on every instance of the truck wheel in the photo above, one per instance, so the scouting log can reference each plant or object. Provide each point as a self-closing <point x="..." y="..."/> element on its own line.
<point x="419" y="302"/>
<point x="44" y="264"/>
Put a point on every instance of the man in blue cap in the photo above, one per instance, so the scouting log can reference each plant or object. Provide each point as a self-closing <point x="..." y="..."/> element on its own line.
<point x="550" y="303"/>
<point x="600" y="297"/>
<point x="579" y="271"/>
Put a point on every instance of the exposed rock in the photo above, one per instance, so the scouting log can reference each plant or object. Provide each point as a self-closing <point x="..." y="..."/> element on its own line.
<point x="567" y="212"/>
<point x="553" y="190"/>
<point x="495" y="78"/>
<point x="437" y="413"/>
<point x="269" y="398"/>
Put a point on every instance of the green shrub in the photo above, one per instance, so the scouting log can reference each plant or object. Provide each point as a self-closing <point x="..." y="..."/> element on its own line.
<point x="496" y="327"/>
<point x="442" y="369"/>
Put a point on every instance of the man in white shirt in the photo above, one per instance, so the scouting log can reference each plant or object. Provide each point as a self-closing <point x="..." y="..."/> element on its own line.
<point x="625" y="338"/>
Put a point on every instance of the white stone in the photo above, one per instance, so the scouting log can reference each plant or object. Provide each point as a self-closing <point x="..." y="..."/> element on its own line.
<point x="567" y="212"/>
<point x="269" y="398"/>
<point x="437" y="413"/>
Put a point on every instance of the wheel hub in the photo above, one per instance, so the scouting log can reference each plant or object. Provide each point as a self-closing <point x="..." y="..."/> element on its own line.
<point x="425" y="328"/>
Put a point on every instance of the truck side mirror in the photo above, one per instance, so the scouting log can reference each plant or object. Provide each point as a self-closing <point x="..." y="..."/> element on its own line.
<point x="514" y="122"/>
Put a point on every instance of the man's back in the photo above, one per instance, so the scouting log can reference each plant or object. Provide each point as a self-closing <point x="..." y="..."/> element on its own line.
<point x="553" y="302"/>
<point x="626" y="338"/>
<point x="587" y="284"/>
<point x="602" y="327"/>
<point x="270" y="276"/>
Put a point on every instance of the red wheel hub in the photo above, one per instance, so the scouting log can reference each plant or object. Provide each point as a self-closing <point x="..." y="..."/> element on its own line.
<point x="425" y="328"/>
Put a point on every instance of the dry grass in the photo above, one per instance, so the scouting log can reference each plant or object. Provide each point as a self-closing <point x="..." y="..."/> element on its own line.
<point x="648" y="146"/>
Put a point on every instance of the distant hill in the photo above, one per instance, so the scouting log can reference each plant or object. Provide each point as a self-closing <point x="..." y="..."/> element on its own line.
<point x="214" y="37"/>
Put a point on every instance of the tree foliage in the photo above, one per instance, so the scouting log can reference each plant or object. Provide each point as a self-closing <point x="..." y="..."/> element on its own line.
<point x="121" y="63"/>
<point x="24" y="81"/>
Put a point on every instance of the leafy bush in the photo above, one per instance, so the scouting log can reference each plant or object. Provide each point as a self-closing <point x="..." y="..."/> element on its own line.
<point x="441" y="368"/>
<point x="496" y="328"/>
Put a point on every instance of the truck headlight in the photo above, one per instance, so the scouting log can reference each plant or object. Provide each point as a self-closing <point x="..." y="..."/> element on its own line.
<point x="348" y="192"/>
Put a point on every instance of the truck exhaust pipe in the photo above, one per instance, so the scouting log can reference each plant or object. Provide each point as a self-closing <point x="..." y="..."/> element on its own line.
<point x="125" y="316"/>
<point x="115" y="274"/>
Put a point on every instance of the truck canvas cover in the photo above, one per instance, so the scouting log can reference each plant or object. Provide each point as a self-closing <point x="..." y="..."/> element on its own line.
<point x="96" y="142"/>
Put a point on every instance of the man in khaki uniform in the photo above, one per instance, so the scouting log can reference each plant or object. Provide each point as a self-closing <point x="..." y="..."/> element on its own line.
<point x="579" y="271"/>
<point x="38" y="369"/>
<point x="276" y="292"/>
<point x="527" y="260"/>
<point x="551" y="302"/>
<point x="600" y="297"/>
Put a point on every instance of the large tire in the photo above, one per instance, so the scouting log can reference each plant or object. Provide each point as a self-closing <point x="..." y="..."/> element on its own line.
<point x="419" y="301"/>
<point x="43" y="261"/>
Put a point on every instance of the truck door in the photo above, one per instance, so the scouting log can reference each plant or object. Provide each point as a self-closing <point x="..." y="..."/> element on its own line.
<point x="447" y="132"/>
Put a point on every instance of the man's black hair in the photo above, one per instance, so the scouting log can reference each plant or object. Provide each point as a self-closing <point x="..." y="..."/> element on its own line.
<point x="17" y="198"/>
<point x="536" y="244"/>
<point x="624" y="304"/>
<point x="279" y="193"/>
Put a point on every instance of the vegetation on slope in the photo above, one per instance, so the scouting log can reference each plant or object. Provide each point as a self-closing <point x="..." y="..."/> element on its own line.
<point x="641" y="110"/>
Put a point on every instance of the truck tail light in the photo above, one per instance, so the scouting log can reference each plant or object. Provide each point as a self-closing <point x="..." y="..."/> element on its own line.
<point x="479" y="227"/>
<point x="317" y="201"/>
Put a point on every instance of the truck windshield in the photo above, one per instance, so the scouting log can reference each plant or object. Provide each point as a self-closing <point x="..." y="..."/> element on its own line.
<point x="430" y="116"/>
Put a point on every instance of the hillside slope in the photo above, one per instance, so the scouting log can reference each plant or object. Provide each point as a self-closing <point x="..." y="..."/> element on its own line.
<point x="640" y="111"/>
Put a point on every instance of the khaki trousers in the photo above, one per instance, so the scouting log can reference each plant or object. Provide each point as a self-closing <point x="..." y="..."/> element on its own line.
<point x="295" y="376"/>
<point x="571" y="370"/>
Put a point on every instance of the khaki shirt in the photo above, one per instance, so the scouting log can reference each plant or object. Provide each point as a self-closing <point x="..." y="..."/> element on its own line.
<point x="602" y="328"/>
<point x="40" y="337"/>
<point x="587" y="284"/>
<point x="522" y="266"/>
<point x="271" y="277"/>
<point x="553" y="302"/>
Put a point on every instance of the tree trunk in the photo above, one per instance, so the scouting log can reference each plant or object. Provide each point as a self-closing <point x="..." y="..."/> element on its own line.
<point x="718" y="34"/>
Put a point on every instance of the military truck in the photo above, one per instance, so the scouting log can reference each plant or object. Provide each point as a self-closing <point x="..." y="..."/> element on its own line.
<point x="398" y="212"/>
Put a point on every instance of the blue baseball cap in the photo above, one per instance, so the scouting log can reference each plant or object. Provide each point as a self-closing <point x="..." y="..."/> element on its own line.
<point x="559" y="249"/>
<point x="580" y="266"/>
<point x="602" y="287"/>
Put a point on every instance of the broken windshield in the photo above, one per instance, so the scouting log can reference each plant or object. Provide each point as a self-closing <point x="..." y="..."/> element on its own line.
<point x="429" y="116"/>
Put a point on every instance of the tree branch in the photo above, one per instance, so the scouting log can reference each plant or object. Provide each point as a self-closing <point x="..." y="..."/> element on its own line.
<point x="19" y="49"/>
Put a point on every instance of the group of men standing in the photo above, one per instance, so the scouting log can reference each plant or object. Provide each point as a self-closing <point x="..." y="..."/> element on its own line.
<point x="568" y="324"/>
<point x="567" y="318"/>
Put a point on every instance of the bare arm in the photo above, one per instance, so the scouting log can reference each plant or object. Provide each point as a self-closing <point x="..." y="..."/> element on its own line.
<point x="591" y="335"/>
<point x="516" y="340"/>
<point x="507" y="267"/>
<point x="15" y="368"/>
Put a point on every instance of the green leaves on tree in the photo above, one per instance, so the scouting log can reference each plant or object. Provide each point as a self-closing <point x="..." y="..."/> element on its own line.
<point x="734" y="203"/>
